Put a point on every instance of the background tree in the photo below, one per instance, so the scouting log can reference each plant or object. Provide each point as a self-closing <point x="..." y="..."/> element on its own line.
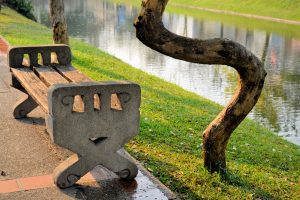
<point x="151" y="31"/>
<point x="60" y="33"/>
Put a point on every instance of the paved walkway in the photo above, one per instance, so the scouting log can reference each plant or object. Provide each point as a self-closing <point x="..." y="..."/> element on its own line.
<point x="27" y="159"/>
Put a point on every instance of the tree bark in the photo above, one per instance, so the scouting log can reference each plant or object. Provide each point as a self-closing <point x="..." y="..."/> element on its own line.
<point x="59" y="25"/>
<point x="151" y="31"/>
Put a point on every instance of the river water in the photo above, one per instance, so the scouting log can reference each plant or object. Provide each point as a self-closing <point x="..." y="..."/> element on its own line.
<point x="108" y="26"/>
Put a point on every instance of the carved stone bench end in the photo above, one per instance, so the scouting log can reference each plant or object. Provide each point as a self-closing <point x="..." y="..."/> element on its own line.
<point x="96" y="135"/>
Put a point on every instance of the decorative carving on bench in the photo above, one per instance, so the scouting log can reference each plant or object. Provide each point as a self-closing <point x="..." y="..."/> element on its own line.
<point x="95" y="134"/>
<point x="92" y="119"/>
<point x="16" y="55"/>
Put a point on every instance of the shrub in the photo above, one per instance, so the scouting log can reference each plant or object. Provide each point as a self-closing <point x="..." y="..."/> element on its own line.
<point x="23" y="7"/>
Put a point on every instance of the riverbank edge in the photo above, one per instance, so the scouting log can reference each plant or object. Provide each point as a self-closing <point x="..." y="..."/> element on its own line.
<point x="253" y="16"/>
<point x="221" y="11"/>
<point x="171" y="125"/>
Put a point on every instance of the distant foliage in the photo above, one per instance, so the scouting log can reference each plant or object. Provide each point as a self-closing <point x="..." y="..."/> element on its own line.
<point x="23" y="7"/>
<point x="1" y="3"/>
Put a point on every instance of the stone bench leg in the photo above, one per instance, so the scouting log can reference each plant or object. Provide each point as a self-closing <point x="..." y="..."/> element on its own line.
<point x="72" y="169"/>
<point x="23" y="107"/>
<point x="124" y="168"/>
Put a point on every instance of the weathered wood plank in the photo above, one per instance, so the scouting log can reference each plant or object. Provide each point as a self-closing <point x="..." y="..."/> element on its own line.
<point x="115" y="102"/>
<point x="49" y="76"/>
<point x="34" y="86"/>
<point x="73" y="75"/>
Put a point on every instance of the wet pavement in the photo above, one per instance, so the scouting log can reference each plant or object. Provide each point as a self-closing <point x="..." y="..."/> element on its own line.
<point x="27" y="159"/>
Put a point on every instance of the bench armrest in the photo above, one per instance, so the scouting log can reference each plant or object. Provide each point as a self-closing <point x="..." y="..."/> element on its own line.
<point x="92" y="122"/>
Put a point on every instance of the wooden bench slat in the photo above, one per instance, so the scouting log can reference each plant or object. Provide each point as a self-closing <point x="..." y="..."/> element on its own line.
<point x="34" y="86"/>
<point x="72" y="74"/>
<point x="49" y="76"/>
<point x="76" y="76"/>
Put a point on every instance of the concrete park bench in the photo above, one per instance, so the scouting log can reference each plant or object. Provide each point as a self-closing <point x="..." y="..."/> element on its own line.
<point x="92" y="119"/>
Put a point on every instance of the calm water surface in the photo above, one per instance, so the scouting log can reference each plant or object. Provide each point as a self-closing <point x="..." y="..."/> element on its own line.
<point x="108" y="26"/>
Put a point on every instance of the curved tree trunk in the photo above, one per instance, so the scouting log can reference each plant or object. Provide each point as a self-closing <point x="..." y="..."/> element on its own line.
<point x="151" y="31"/>
<point x="59" y="25"/>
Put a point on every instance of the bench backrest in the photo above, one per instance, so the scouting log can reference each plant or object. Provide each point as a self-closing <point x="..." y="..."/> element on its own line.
<point x="62" y="53"/>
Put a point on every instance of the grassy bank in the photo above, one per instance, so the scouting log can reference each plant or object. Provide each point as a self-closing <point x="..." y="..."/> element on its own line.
<point x="261" y="165"/>
<point x="284" y="29"/>
<point x="289" y="10"/>
<point x="273" y="8"/>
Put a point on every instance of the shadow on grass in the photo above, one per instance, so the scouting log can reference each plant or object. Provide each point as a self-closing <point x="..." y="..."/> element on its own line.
<point x="98" y="69"/>
<point x="164" y="175"/>
<point x="188" y="101"/>
<point x="234" y="179"/>
<point x="178" y="186"/>
<point x="162" y="134"/>
<point x="2" y="13"/>
<point x="177" y="114"/>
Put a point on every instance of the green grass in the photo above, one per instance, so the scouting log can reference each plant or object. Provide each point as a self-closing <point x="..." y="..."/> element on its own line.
<point x="282" y="9"/>
<point x="261" y="165"/>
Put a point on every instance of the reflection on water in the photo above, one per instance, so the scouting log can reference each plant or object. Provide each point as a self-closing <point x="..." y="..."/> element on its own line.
<point x="109" y="26"/>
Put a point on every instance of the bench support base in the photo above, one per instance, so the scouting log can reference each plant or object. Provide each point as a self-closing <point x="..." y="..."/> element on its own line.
<point x="23" y="107"/>
<point x="72" y="169"/>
